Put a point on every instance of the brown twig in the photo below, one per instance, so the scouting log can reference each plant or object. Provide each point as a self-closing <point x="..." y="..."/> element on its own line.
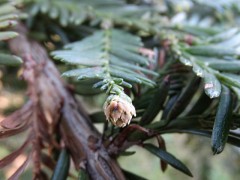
<point x="52" y="100"/>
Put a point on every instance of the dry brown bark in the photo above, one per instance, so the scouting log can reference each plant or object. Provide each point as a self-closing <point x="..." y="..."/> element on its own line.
<point x="52" y="110"/>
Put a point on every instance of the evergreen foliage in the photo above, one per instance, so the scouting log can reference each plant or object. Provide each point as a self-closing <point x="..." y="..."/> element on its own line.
<point x="183" y="66"/>
<point x="8" y="18"/>
<point x="112" y="56"/>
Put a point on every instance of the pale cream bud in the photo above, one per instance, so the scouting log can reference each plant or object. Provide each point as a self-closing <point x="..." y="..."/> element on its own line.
<point x="119" y="110"/>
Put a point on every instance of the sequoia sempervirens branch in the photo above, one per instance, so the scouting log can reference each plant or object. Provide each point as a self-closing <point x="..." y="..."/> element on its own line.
<point x="52" y="109"/>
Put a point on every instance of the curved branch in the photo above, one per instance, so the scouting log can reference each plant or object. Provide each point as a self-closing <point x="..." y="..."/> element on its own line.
<point x="51" y="101"/>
